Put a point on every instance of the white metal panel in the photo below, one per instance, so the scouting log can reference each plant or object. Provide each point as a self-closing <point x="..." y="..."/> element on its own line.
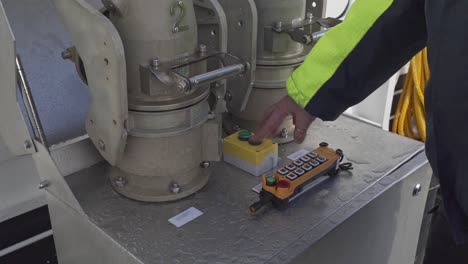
<point x="13" y="130"/>
<point x="101" y="49"/>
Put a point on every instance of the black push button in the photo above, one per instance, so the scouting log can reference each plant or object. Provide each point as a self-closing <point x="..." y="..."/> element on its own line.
<point x="291" y="176"/>
<point x="314" y="163"/>
<point x="321" y="159"/>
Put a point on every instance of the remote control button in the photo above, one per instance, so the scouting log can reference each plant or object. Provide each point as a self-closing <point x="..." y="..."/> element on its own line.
<point x="299" y="172"/>
<point x="321" y="159"/>
<point x="298" y="163"/>
<point x="307" y="167"/>
<point x="314" y="163"/>
<point x="291" y="176"/>
<point x="283" y="171"/>
<point x="291" y="167"/>
<point x="271" y="181"/>
<point x="282" y="184"/>
<point x="305" y="159"/>
<point x="312" y="155"/>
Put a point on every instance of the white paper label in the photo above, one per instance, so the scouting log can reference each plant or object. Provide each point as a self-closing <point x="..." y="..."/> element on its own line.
<point x="257" y="188"/>
<point x="185" y="217"/>
<point x="296" y="155"/>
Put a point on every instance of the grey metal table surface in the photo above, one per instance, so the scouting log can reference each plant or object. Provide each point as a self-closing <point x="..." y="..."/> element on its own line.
<point x="227" y="232"/>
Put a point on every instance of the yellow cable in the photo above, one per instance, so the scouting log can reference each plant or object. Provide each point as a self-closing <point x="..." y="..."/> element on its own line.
<point x="410" y="120"/>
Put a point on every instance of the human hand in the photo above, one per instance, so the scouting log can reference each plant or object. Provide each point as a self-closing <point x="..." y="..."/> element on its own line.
<point x="275" y="115"/>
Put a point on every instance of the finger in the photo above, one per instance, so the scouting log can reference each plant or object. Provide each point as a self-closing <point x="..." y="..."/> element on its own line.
<point x="272" y="122"/>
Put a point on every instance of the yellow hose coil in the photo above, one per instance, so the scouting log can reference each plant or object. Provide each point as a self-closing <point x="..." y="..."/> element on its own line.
<point x="410" y="119"/>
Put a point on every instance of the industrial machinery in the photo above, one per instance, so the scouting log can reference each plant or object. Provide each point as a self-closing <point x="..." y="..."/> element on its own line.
<point x="153" y="116"/>
<point x="157" y="74"/>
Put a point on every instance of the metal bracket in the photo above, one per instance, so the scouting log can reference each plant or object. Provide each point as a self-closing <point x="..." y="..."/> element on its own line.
<point x="101" y="50"/>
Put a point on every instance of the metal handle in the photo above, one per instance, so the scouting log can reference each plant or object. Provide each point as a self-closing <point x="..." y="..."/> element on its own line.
<point x="216" y="75"/>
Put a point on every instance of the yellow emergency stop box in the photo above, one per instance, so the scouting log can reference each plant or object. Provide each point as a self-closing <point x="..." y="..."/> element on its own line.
<point x="255" y="159"/>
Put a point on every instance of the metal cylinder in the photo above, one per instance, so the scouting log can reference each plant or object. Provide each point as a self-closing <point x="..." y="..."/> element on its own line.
<point x="168" y="130"/>
<point x="277" y="57"/>
<point x="155" y="33"/>
<point x="277" y="48"/>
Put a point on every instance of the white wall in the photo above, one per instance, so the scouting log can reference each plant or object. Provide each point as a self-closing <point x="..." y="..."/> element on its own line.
<point x="335" y="7"/>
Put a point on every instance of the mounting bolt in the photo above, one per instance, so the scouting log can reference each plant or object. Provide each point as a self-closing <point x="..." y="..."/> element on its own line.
<point x="27" y="144"/>
<point x="174" y="188"/>
<point x="284" y="133"/>
<point x="67" y="54"/>
<point x="417" y="189"/>
<point x="309" y="15"/>
<point x="203" y="49"/>
<point x="43" y="185"/>
<point x="155" y="63"/>
<point x="279" y="25"/>
<point x="205" y="164"/>
<point x="228" y="96"/>
<point x="211" y="115"/>
<point x="101" y="144"/>
<point x="120" y="182"/>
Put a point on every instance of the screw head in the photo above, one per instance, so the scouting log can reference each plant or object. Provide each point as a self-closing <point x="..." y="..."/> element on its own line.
<point x="417" y="189"/>
<point x="43" y="185"/>
<point x="174" y="188"/>
<point x="205" y="164"/>
<point x="279" y="24"/>
<point x="27" y="144"/>
<point x="284" y="133"/>
<point x="101" y="144"/>
<point x="309" y="15"/>
<point x="120" y="182"/>
<point x="155" y="63"/>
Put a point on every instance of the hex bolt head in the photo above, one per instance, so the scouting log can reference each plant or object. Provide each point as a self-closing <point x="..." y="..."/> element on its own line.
<point x="284" y="133"/>
<point x="27" y="144"/>
<point x="203" y="49"/>
<point x="205" y="164"/>
<point x="174" y="188"/>
<point x="120" y="182"/>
